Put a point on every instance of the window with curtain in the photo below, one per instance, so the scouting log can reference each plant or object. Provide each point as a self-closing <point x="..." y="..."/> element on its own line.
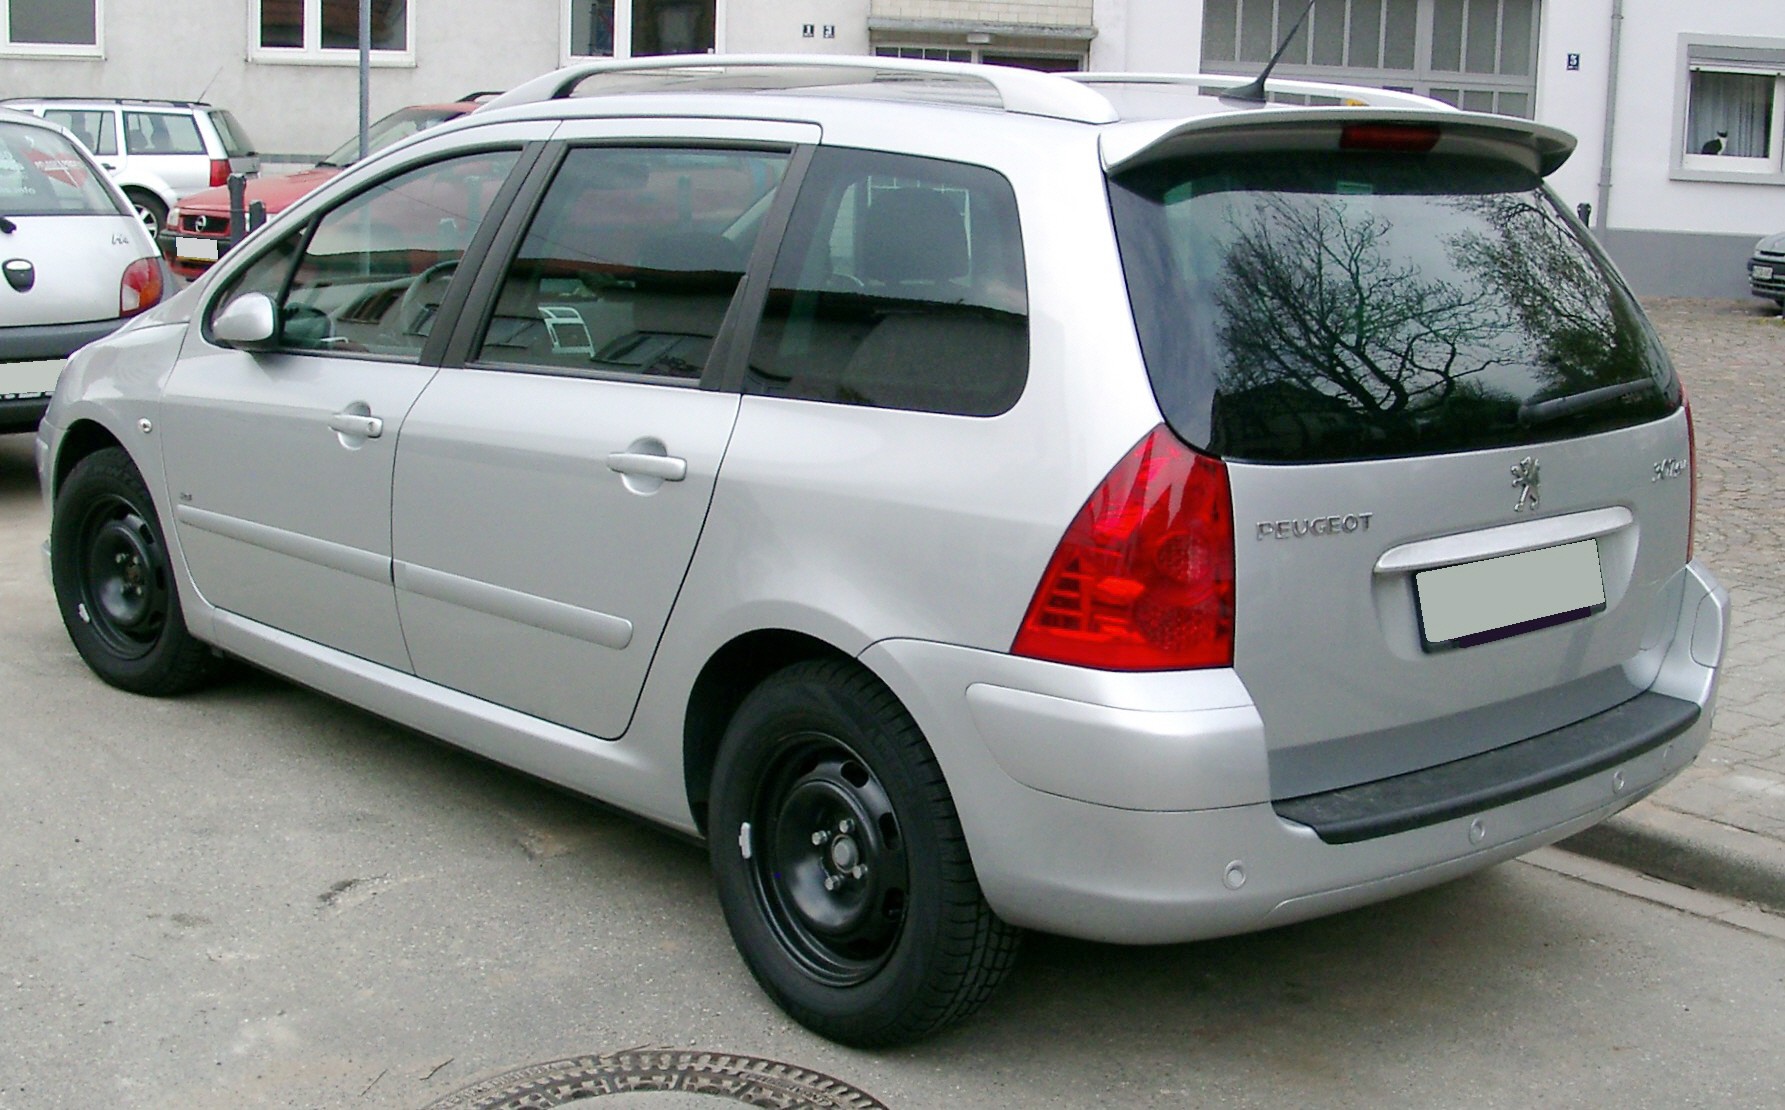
<point x="328" y="29"/>
<point x="1730" y="114"/>
<point x="49" y="26"/>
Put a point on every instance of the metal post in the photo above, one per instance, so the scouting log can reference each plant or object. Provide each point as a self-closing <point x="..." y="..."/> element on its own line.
<point x="238" y="214"/>
<point x="365" y="74"/>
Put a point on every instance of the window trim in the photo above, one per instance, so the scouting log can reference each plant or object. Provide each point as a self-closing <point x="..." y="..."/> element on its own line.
<point x="313" y="53"/>
<point x="10" y="49"/>
<point x="1718" y="168"/>
<point x="623" y="32"/>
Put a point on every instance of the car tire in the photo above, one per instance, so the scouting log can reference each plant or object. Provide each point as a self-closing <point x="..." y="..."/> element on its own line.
<point x="149" y="210"/>
<point x="114" y="581"/>
<point x="841" y="866"/>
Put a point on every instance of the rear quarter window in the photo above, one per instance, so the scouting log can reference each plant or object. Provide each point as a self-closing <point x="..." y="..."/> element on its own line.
<point x="1335" y="306"/>
<point x="899" y="285"/>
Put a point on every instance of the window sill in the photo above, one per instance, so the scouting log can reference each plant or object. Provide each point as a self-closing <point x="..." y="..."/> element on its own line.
<point x="51" y="52"/>
<point x="1766" y="173"/>
<point x="381" y="59"/>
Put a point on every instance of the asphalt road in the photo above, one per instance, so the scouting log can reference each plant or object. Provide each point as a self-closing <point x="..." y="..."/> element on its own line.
<point x="258" y="896"/>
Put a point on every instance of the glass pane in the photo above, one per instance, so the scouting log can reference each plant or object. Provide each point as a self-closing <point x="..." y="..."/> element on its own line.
<point x="1326" y="32"/>
<point x="53" y="22"/>
<point x="1515" y="104"/>
<point x="592" y="28"/>
<point x="340" y="24"/>
<point x="95" y="129"/>
<point x="1366" y="34"/>
<point x="632" y="260"/>
<point x="1730" y="114"/>
<point x="1220" y="26"/>
<point x="1478" y="100"/>
<point x="282" y="23"/>
<point x="161" y="133"/>
<point x="1484" y="37"/>
<point x="43" y="174"/>
<point x="1328" y="306"/>
<point x="672" y="27"/>
<point x="1257" y="39"/>
<point x="1449" y="96"/>
<point x="899" y="285"/>
<point x="1447" y="35"/>
<point x="1398" y="28"/>
<point x="1518" y="24"/>
<point x="375" y="273"/>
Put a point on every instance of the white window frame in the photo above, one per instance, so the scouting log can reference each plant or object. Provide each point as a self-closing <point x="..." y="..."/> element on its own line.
<point x="623" y="32"/>
<point x="10" y="49"/>
<point x="1723" y="167"/>
<point x="312" y="52"/>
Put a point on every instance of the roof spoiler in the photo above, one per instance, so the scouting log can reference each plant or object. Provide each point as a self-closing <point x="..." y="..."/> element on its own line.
<point x="1127" y="146"/>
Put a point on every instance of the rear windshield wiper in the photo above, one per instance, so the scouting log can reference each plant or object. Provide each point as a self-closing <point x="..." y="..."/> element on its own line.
<point x="1557" y="408"/>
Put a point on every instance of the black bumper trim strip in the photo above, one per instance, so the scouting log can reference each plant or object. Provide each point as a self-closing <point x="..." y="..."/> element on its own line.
<point x="1493" y="778"/>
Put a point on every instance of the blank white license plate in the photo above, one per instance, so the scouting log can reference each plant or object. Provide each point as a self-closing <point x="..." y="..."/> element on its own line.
<point x="1474" y="603"/>
<point x="1761" y="272"/>
<point x="196" y="250"/>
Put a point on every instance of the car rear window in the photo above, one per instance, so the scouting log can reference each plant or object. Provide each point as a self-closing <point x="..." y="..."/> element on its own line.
<point x="236" y="143"/>
<point x="1355" y="305"/>
<point x="43" y="174"/>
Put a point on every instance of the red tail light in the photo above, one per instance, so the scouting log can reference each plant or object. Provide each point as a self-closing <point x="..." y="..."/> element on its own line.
<point x="1691" y="473"/>
<point x="1400" y="138"/>
<point x="219" y="172"/>
<point x="1143" y="579"/>
<point x="141" y="287"/>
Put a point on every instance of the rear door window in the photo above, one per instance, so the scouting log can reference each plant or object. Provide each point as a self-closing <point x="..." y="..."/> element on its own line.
<point x="161" y="133"/>
<point x="899" y="285"/>
<point x="1333" y="306"/>
<point x="631" y="262"/>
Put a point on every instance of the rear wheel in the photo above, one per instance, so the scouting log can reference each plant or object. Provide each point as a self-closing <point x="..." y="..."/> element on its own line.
<point x="149" y="210"/>
<point x="114" y="582"/>
<point x="841" y="866"/>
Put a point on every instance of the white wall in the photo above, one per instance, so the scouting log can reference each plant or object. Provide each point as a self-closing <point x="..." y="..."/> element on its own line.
<point x="1148" y="36"/>
<point x="775" y="26"/>
<point x="1575" y="100"/>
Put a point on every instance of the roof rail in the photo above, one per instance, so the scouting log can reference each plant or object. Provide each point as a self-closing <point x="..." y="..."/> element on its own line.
<point x="1005" y="87"/>
<point x="1283" y="86"/>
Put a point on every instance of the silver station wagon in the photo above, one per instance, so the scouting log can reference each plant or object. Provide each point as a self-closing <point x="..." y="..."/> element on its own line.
<point x="972" y="500"/>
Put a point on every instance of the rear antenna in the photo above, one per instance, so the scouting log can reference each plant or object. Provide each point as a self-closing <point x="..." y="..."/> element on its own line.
<point x="1253" y="91"/>
<point x="201" y="93"/>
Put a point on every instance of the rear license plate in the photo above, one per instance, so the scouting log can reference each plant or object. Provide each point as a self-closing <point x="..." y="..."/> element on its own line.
<point x="195" y="250"/>
<point x="1761" y="273"/>
<point x="1474" y="603"/>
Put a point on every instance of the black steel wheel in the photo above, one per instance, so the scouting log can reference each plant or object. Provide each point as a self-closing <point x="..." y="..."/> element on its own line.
<point x="841" y="865"/>
<point x="114" y="583"/>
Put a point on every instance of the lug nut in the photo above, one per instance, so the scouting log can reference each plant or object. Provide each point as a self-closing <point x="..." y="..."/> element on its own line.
<point x="832" y="882"/>
<point x="845" y="827"/>
<point x="820" y="837"/>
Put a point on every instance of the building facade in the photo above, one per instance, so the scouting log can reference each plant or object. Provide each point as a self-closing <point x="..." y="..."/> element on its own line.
<point x="1679" y="106"/>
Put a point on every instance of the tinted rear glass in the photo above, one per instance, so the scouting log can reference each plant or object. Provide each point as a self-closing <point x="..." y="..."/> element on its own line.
<point x="236" y="143"/>
<point x="1334" y="306"/>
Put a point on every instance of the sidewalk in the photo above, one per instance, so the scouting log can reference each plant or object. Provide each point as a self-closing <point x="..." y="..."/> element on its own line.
<point x="1720" y="826"/>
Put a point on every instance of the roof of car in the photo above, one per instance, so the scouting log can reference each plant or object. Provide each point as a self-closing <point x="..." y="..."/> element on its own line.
<point x="1142" y="115"/>
<point x="108" y="100"/>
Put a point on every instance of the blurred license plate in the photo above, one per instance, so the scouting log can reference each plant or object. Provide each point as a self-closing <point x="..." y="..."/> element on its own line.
<point x="197" y="250"/>
<point x="1474" y="603"/>
<point x="1761" y="272"/>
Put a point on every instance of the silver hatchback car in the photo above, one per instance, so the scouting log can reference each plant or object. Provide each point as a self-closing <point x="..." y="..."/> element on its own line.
<point x="970" y="499"/>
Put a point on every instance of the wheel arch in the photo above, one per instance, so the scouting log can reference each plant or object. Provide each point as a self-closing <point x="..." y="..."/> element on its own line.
<point x="726" y="679"/>
<point x="82" y="439"/>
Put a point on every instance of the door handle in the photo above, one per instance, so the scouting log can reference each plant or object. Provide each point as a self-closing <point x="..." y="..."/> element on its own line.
<point x="636" y="464"/>
<point x="356" y="424"/>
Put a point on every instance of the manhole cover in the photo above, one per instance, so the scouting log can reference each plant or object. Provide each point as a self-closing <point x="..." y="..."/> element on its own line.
<point x="661" y="1080"/>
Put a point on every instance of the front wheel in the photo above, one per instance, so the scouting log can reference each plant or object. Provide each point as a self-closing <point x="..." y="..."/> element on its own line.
<point x="841" y="866"/>
<point x="114" y="582"/>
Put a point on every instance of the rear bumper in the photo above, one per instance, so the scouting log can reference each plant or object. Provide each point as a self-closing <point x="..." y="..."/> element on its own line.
<point x="1116" y="808"/>
<point x="36" y="342"/>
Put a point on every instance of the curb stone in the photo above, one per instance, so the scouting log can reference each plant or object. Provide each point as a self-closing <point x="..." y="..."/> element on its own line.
<point x="1689" y="851"/>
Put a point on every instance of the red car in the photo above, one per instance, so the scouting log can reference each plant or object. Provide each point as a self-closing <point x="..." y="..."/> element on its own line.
<point x="198" y="229"/>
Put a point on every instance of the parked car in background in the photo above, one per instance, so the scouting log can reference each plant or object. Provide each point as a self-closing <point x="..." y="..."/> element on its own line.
<point x="971" y="499"/>
<point x="156" y="150"/>
<point x="199" y="229"/>
<point x="76" y="262"/>
<point x="1766" y="269"/>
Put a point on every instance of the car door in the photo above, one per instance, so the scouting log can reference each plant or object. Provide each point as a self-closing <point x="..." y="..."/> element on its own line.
<point x="550" y="491"/>
<point x="280" y="460"/>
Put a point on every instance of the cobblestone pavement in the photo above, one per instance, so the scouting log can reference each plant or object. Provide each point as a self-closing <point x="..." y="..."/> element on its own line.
<point x="1731" y="355"/>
